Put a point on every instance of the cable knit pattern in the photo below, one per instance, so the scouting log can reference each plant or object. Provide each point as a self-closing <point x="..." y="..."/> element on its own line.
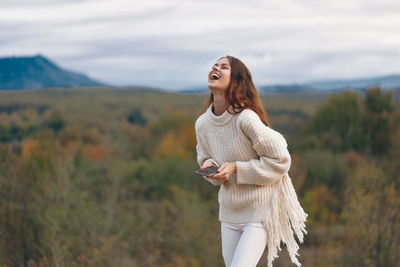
<point x="261" y="189"/>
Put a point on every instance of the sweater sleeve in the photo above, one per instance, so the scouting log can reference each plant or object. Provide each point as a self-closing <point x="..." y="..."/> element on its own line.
<point x="273" y="157"/>
<point x="203" y="156"/>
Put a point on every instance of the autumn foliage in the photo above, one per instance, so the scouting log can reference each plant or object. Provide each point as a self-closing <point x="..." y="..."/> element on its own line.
<point x="107" y="178"/>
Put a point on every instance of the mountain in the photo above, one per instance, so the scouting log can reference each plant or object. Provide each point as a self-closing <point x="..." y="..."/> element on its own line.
<point x="289" y="88"/>
<point x="39" y="72"/>
<point x="385" y="82"/>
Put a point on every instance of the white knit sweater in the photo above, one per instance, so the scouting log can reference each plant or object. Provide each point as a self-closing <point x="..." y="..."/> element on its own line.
<point x="261" y="189"/>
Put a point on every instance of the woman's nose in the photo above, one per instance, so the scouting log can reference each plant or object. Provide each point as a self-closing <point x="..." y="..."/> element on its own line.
<point x="215" y="67"/>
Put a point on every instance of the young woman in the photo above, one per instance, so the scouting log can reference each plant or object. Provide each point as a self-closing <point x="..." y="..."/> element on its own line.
<point x="258" y="204"/>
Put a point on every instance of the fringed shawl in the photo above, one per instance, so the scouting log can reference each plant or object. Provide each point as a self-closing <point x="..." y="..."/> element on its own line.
<point x="284" y="218"/>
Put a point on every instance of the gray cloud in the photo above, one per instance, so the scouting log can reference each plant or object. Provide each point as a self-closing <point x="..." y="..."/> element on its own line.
<point x="172" y="44"/>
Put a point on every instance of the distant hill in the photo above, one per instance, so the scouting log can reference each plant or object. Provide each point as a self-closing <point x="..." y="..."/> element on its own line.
<point x="385" y="82"/>
<point x="289" y="88"/>
<point x="38" y="72"/>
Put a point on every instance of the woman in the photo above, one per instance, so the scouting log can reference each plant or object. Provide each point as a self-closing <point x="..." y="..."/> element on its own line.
<point x="258" y="204"/>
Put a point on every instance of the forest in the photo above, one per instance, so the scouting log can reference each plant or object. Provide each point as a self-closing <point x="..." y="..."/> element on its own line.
<point x="105" y="177"/>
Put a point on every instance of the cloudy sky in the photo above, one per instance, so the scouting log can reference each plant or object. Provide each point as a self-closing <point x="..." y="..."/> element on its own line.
<point x="172" y="44"/>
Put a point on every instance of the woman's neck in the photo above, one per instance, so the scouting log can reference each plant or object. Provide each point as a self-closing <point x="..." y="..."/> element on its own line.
<point x="220" y="103"/>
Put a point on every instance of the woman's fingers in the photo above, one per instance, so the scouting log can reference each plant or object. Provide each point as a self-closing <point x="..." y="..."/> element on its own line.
<point x="207" y="165"/>
<point x="225" y="171"/>
<point x="210" y="176"/>
<point x="219" y="176"/>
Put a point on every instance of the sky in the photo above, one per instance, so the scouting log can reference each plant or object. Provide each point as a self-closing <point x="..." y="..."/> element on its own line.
<point x="172" y="44"/>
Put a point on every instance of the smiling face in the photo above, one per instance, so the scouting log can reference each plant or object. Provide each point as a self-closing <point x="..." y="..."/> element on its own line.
<point x="220" y="75"/>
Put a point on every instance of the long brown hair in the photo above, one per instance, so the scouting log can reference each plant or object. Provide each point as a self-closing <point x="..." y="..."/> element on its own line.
<point x="241" y="92"/>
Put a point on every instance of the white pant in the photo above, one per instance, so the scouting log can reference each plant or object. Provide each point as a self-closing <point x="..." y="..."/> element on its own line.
<point x="242" y="243"/>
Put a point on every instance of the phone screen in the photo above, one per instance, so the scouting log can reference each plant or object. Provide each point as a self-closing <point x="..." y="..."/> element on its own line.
<point x="208" y="171"/>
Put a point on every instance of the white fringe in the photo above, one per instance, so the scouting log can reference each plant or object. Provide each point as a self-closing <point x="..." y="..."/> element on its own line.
<point x="284" y="216"/>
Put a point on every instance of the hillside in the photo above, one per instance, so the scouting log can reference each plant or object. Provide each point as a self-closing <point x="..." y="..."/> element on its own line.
<point x="38" y="72"/>
<point x="84" y="174"/>
<point x="385" y="82"/>
<point x="390" y="82"/>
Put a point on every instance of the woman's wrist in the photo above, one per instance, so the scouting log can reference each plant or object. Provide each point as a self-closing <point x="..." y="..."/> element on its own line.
<point x="233" y="169"/>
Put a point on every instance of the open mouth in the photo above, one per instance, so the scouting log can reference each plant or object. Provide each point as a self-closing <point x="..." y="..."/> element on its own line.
<point x="214" y="77"/>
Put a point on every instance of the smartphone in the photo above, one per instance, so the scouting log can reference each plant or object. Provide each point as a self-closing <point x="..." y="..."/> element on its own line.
<point x="208" y="170"/>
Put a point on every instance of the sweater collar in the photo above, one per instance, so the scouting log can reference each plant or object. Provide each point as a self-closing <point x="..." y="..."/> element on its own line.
<point x="222" y="119"/>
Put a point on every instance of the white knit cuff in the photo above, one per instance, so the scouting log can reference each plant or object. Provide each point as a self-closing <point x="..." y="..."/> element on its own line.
<point x="245" y="174"/>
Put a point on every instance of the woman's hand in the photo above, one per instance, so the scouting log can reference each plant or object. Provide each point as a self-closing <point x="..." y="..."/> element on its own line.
<point x="207" y="165"/>
<point x="224" y="172"/>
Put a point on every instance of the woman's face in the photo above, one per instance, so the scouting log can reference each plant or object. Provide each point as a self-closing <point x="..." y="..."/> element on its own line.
<point x="220" y="75"/>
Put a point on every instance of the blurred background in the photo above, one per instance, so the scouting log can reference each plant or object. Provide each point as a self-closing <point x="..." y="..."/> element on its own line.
<point x="98" y="101"/>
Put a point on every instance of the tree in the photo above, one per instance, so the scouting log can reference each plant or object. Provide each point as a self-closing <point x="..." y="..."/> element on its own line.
<point x="348" y="122"/>
<point x="376" y="126"/>
<point x="371" y="215"/>
<point x="337" y="123"/>
<point x="136" y="117"/>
